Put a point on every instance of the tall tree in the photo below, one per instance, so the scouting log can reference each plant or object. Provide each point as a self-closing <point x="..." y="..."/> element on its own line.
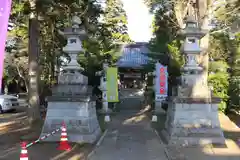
<point x="115" y="20"/>
<point x="205" y="11"/>
<point x="33" y="93"/>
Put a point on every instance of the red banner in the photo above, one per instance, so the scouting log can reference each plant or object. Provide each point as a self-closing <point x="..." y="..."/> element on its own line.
<point x="162" y="79"/>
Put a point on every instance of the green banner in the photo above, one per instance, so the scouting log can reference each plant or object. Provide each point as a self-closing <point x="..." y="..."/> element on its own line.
<point x="112" y="84"/>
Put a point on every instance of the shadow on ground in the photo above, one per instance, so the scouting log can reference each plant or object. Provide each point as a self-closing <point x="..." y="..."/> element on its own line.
<point x="47" y="151"/>
<point x="230" y="151"/>
<point x="235" y="118"/>
<point x="14" y="130"/>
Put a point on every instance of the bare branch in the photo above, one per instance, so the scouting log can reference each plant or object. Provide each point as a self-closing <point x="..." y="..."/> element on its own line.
<point x="85" y="11"/>
<point x="220" y="30"/>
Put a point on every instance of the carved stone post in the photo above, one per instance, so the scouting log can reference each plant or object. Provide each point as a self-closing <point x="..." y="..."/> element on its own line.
<point x="103" y="86"/>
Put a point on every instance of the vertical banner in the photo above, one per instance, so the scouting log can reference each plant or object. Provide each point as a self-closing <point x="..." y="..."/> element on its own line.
<point x="161" y="83"/>
<point x="5" y="8"/>
<point x="112" y="84"/>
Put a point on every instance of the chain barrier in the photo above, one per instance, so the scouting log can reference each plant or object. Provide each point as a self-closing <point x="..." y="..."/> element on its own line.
<point x="43" y="137"/>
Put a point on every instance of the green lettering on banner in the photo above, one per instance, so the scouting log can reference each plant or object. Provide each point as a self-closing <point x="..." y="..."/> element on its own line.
<point x="112" y="84"/>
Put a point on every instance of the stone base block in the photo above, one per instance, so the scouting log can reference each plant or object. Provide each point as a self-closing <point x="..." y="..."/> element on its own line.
<point x="76" y="138"/>
<point x="154" y="118"/>
<point x="80" y="118"/>
<point x="105" y="111"/>
<point x="107" y="118"/>
<point x="158" y="108"/>
<point x="193" y="124"/>
<point x="193" y="140"/>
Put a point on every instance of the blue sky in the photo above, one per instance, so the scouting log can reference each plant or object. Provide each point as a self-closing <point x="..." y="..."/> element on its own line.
<point x="139" y="20"/>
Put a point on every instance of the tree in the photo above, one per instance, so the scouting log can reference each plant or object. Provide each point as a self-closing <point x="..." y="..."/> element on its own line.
<point x="108" y="31"/>
<point x="234" y="88"/>
<point x="220" y="47"/>
<point x="33" y="60"/>
<point x="219" y="64"/>
<point x="205" y="11"/>
<point x="38" y="40"/>
<point x="165" y="44"/>
<point x="115" y="20"/>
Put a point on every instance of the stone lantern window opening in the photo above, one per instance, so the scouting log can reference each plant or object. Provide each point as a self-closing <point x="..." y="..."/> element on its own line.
<point x="192" y="72"/>
<point x="104" y="79"/>
<point x="191" y="25"/>
<point x="72" y="40"/>
<point x="191" y="59"/>
<point x="191" y="40"/>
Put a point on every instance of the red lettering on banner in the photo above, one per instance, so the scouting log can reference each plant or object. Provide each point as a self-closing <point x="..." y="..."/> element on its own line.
<point x="161" y="69"/>
<point x="162" y="90"/>
<point x="162" y="84"/>
<point x="162" y="77"/>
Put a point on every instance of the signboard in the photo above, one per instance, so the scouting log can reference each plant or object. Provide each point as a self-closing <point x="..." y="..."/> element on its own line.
<point x="112" y="84"/>
<point x="132" y="75"/>
<point x="161" y="80"/>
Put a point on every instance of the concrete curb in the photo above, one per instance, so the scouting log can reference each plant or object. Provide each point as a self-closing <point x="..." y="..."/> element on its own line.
<point x="168" y="156"/>
<point x="101" y="138"/>
<point x="164" y="146"/>
<point x="227" y="118"/>
<point x="159" y="137"/>
<point x="97" y="144"/>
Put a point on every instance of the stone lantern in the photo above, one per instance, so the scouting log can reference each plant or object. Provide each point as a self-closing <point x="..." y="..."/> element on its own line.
<point x="192" y="115"/>
<point x="71" y="101"/>
<point x="191" y="72"/>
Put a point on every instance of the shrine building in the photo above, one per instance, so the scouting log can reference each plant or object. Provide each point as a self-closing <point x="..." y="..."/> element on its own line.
<point x="131" y="64"/>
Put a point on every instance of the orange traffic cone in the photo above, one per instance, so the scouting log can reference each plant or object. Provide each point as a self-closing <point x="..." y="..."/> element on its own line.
<point x="24" y="152"/>
<point x="64" y="146"/>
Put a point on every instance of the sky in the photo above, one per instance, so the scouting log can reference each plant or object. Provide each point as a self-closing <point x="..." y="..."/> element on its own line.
<point x="139" y="20"/>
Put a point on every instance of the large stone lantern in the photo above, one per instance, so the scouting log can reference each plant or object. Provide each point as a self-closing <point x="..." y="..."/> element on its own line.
<point x="192" y="116"/>
<point x="71" y="101"/>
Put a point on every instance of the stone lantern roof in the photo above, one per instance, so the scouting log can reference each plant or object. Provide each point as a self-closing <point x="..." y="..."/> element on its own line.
<point x="192" y="29"/>
<point x="69" y="31"/>
<point x="77" y="29"/>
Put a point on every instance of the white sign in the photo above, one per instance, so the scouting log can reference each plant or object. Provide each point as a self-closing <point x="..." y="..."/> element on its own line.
<point x="160" y="97"/>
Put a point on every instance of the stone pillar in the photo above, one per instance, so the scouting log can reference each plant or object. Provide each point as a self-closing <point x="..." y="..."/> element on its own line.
<point x="103" y="86"/>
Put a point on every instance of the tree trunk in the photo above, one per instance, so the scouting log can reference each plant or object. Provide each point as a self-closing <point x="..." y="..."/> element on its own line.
<point x="33" y="93"/>
<point x="204" y="16"/>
